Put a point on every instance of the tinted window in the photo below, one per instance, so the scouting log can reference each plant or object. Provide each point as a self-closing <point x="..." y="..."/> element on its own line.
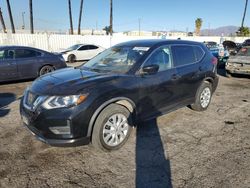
<point x="161" y="57"/>
<point x="1" y="54"/>
<point x="83" y="48"/>
<point x="7" y="54"/>
<point x="92" y="47"/>
<point x="183" y="55"/>
<point x="25" y="53"/>
<point x="198" y="52"/>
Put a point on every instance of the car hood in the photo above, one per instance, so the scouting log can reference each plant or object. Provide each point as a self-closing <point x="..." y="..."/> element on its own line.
<point x="69" y="81"/>
<point x="239" y="59"/>
<point x="65" y="51"/>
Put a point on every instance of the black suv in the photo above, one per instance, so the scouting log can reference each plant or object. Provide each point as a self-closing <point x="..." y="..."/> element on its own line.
<point x="102" y="100"/>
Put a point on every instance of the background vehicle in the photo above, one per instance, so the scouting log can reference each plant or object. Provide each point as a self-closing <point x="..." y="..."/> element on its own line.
<point x="80" y="52"/>
<point x="104" y="98"/>
<point x="240" y="63"/>
<point x="20" y="62"/>
<point x="218" y="51"/>
<point x="246" y="43"/>
<point x="230" y="46"/>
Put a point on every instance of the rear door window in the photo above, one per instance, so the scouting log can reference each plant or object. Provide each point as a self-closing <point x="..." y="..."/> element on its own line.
<point x="83" y="48"/>
<point x="198" y="52"/>
<point x="92" y="47"/>
<point x="26" y="53"/>
<point x="183" y="55"/>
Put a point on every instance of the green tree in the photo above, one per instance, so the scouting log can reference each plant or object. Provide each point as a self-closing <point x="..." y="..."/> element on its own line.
<point x="243" y="31"/>
<point x="198" y="24"/>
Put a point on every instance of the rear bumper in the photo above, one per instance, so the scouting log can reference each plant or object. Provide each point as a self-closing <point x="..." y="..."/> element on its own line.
<point x="238" y="71"/>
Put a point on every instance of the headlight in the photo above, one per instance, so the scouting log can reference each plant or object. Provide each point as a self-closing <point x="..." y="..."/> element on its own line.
<point x="63" y="101"/>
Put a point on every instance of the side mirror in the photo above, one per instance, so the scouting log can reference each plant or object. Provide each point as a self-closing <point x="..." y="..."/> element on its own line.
<point x="150" y="69"/>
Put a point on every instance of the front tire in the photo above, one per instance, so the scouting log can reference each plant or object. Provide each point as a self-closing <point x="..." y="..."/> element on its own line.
<point x="203" y="97"/>
<point x="112" y="128"/>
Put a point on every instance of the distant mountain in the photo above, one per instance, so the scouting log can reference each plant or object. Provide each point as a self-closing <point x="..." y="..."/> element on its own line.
<point x="226" y="31"/>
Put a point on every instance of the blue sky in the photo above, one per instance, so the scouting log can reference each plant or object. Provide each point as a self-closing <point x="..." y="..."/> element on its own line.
<point x="154" y="15"/>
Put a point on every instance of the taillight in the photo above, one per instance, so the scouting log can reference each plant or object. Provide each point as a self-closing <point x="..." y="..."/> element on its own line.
<point x="214" y="60"/>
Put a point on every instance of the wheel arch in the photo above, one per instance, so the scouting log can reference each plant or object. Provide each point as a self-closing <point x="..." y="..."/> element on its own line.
<point x="123" y="101"/>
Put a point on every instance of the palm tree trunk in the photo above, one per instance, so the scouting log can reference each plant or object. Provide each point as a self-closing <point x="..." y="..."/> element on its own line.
<point x="2" y="21"/>
<point x="80" y="18"/>
<point x="244" y="14"/>
<point x="111" y="17"/>
<point x="31" y="17"/>
<point x="11" y="19"/>
<point x="70" y="18"/>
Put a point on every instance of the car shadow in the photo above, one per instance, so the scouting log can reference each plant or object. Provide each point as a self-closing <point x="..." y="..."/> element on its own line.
<point x="16" y="81"/>
<point x="152" y="167"/>
<point x="5" y="100"/>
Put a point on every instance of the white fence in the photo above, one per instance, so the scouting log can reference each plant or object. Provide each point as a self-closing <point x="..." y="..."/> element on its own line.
<point x="54" y="42"/>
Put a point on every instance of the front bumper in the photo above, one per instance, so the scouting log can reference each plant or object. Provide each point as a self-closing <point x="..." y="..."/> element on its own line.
<point x="58" y="142"/>
<point x="73" y="122"/>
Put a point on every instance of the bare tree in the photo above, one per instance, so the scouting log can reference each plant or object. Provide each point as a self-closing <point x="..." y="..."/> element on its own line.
<point x="244" y="14"/>
<point x="70" y="18"/>
<point x="10" y="15"/>
<point x="31" y="17"/>
<point x="80" y="18"/>
<point x="111" y="18"/>
<point x="2" y="21"/>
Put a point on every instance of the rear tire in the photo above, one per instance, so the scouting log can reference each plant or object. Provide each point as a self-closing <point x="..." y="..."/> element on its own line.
<point x="112" y="128"/>
<point x="71" y="58"/>
<point x="203" y="97"/>
<point x="46" y="69"/>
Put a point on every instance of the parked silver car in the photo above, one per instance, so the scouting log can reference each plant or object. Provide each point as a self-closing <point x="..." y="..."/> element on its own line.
<point x="240" y="63"/>
<point x="20" y="62"/>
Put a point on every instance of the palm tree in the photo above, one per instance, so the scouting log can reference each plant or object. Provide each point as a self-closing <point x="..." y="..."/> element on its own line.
<point x="31" y="17"/>
<point x="198" y="24"/>
<point x="80" y="18"/>
<point x="70" y="18"/>
<point x="10" y="15"/>
<point x="2" y="21"/>
<point x="111" y="18"/>
<point x="244" y="14"/>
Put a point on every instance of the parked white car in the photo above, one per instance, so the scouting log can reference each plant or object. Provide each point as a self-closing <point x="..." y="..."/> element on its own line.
<point x="80" y="52"/>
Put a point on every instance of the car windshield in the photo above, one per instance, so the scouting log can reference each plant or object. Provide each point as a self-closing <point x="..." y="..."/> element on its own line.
<point x="74" y="47"/>
<point x="118" y="59"/>
<point x="244" y="52"/>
